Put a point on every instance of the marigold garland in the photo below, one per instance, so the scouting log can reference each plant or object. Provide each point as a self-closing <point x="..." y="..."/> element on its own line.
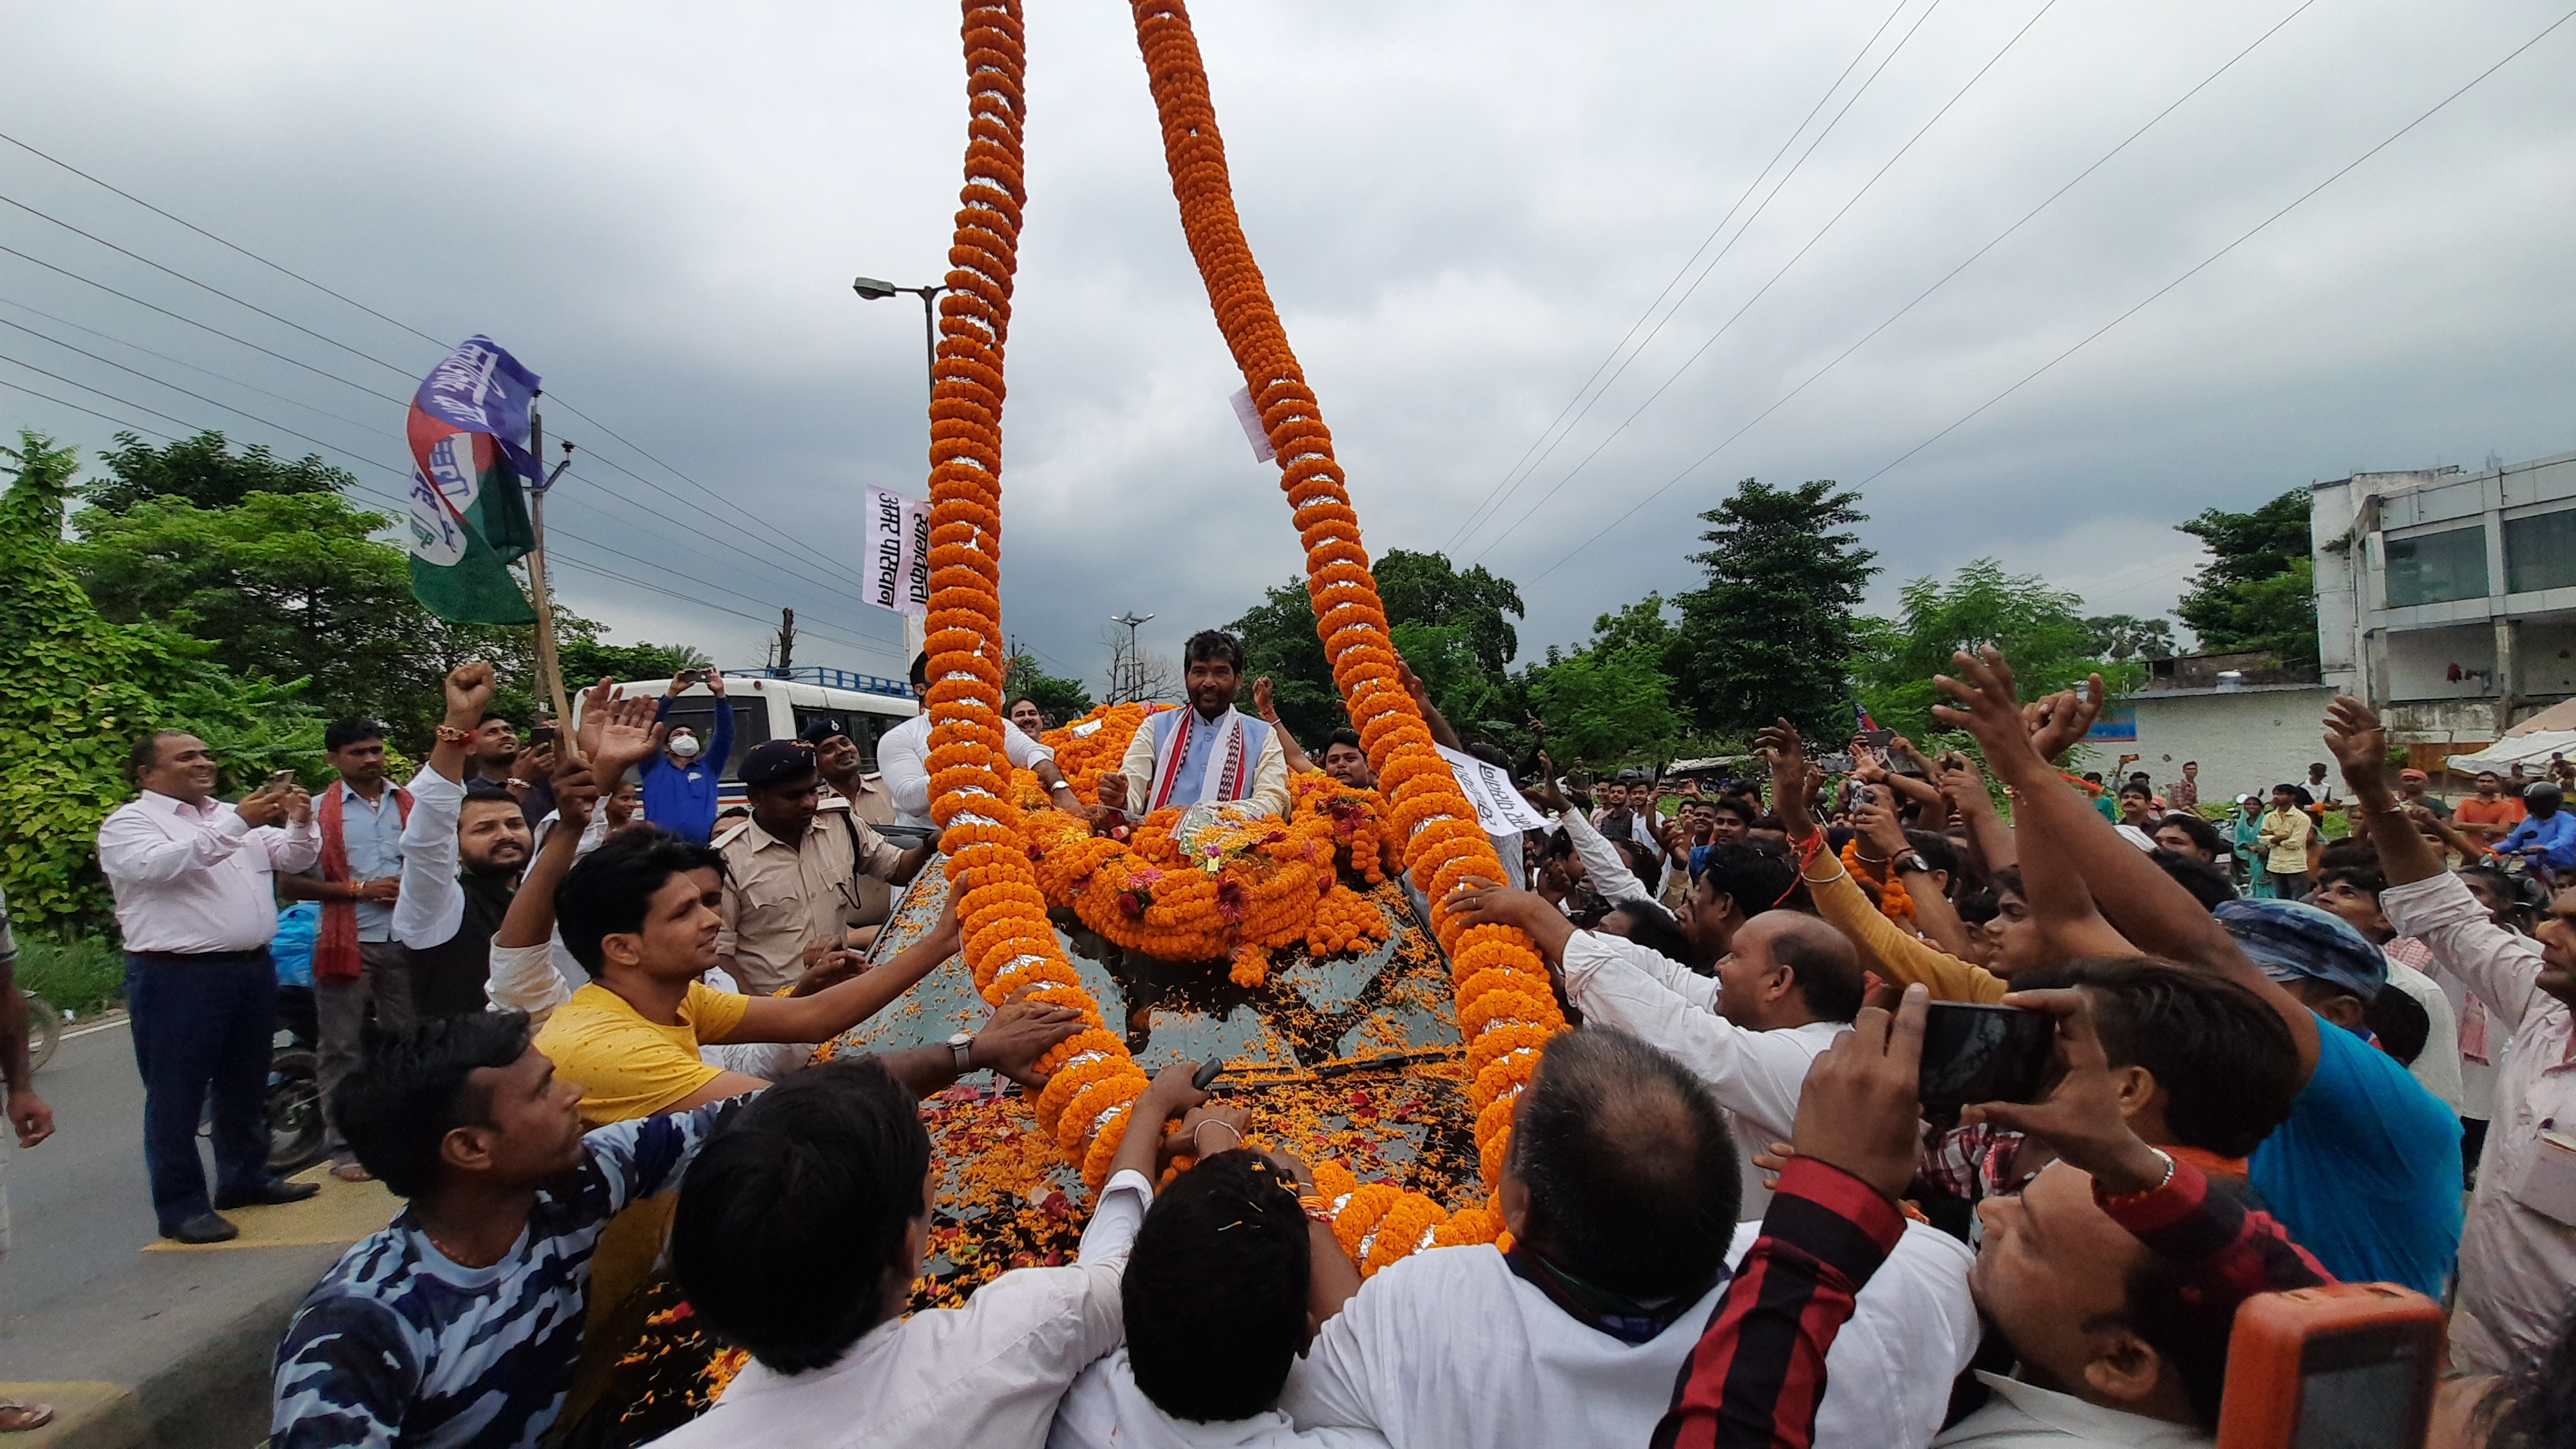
<point x="1351" y="619"/>
<point x="1894" y="901"/>
<point x="1009" y="941"/>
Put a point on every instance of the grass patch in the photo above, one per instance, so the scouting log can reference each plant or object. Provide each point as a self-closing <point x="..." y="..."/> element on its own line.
<point x="83" y="974"/>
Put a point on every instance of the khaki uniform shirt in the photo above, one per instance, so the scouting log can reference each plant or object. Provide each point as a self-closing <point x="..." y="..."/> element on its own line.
<point x="779" y="897"/>
<point x="874" y="803"/>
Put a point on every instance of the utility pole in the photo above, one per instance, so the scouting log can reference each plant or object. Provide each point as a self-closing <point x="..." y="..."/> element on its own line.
<point x="1127" y="678"/>
<point x="549" y="670"/>
<point x="786" y="640"/>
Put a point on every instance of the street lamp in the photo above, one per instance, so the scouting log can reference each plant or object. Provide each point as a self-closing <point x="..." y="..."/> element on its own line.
<point x="876" y="291"/>
<point x="1135" y="671"/>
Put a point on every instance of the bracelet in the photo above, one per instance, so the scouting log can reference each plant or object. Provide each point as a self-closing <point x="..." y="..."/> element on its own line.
<point x="1316" y="1209"/>
<point x="1213" y="1122"/>
<point x="449" y="734"/>
<point x="2146" y="1192"/>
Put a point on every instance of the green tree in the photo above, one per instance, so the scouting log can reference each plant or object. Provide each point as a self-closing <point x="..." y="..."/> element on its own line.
<point x="76" y="691"/>
<point x="586" y="659"/>
<point x="1768" y="633"/>
<point x="205" y="471"/>
<point x="2041" y="629"/>
<point x="1061" y="698"/>
<point x="1458" y="623"/>
<point x="1423" y="588"/>
<point x="2258" y="590"/>
<point x="1279" y="640"/>
<point x="1607" y="706"/>
<point x="2122" y="636"/>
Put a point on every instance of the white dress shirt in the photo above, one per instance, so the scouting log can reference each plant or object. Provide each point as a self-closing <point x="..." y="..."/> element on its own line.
<point x="195" y="879"/>
<point x="986" y="1375"/>
<point x="1607" y="869"/>
<point x="2516" y="1261"/>
<point x="2438" y="1065"/>
<point x="1105" y="1410"/>
<point x="903" y="762"/>
<point x="2024" y="1416"/>
<point x="432" y="905"/>
<point x="1447" y="1347"/>
<point x="1755" y="1075"/>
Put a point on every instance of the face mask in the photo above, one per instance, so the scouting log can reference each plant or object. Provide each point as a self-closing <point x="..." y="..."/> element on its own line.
<point x="686" y="747"/>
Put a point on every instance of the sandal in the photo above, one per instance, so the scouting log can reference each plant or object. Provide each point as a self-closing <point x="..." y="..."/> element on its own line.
<point x="351" y="1172"/>
<point x="17" y="1418"/>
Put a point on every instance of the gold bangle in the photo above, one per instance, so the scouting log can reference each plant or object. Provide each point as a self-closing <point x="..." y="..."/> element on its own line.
<point x="449" y="734"/>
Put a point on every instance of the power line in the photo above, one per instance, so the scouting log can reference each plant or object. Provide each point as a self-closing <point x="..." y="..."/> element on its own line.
<point x="1692" y="260"/>
<point x="1945" y="279"/>
<point x="148" y="352"/>
<point x="218" y="291"/>
<point x="1795" y="258"/>
<point x="219" y="241"/>
<point x="782" y="534"/>
<point x="2205" y="262"/>
<point x="200" y="326"/>
<point x="1503" y="494"/>
<point x="399" y="503"/>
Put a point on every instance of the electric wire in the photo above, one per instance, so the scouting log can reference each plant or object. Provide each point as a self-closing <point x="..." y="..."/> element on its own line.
<point x="1485" y="514"/>
<point x="1683" y="271"/>
<point x="1919" y="298"/>
<point x="1764" y="290"/>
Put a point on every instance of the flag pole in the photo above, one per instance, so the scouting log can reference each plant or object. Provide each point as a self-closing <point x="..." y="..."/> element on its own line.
<point x="550" y="684"/>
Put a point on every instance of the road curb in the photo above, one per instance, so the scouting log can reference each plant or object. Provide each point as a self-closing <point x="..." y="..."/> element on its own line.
<point x="214" y="1397"/>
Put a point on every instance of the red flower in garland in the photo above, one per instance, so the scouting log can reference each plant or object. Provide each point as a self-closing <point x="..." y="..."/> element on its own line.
<point x="1232" y="900"/>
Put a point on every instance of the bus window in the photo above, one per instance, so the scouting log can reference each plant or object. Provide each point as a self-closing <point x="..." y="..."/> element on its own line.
<point x="750" y="724"/>
<point x="859" y="727"/>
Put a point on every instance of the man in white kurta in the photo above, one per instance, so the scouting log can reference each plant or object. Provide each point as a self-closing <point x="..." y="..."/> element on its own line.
<point x="1206" y="753"/>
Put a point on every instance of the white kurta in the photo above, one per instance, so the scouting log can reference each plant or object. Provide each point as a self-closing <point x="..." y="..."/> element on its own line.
<point x="1448" y="1349"/>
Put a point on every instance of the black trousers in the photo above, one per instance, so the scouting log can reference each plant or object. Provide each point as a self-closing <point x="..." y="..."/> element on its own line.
<point x="202" y="1025"/>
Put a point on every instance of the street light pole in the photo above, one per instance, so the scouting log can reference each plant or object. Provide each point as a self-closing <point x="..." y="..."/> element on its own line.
<point x="1135" y="672"/>
<point x="875" y="291"/>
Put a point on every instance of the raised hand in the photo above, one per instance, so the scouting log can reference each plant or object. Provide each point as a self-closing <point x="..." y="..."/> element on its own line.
<point x="625" y="735"/>
<point x="1962" y="784"/>
<point x="1988" y="710"/>
<point x="2359" y="744"/>
<point x="266" y="805"/>
<point x="2055" y="724"/>
<point x="469" y="691"/>
<point x="1261" y="699"/>
<point x="1229" y="1121"/>
<point x="1877" y="820"/>
<point x="1548" y="796"/>
<point x="2081" y="1118"/>
<point x="1860" y="1107"/>
<point x="1790" y="796"/>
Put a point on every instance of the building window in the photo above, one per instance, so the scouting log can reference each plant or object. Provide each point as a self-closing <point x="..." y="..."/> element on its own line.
<point x="2540" y="552"/>
<point x="2435" y="568"/>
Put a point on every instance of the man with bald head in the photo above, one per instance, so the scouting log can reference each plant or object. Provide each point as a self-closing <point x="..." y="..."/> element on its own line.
<point x="1787" y="986"/>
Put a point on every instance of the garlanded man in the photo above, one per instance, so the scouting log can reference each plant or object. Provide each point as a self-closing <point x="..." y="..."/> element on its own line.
<point x="1208" y="753"/>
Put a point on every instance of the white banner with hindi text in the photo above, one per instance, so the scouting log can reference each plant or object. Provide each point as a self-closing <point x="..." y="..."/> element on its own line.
<point x="1499" y="806"/>
<point x="894" y="554"/>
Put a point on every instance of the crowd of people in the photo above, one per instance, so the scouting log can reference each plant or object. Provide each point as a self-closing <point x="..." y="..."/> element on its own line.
<point x="567" y="1014"/>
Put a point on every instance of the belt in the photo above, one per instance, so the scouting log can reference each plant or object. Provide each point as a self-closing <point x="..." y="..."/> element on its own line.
<point x="202" y="958"/>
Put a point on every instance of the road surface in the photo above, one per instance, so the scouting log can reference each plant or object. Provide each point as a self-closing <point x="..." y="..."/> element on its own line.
<point x="134" y="1340"/>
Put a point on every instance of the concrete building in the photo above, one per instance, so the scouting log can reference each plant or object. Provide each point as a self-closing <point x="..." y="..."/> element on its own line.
<point x="2447" y="599"/>
<point x="2247" y="721"/>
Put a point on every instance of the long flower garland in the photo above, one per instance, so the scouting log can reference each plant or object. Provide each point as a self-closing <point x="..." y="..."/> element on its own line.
<point x="1502" y="985"/>
<point x="1009" y="943"/>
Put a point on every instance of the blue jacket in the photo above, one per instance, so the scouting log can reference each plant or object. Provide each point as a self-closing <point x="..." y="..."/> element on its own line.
<point x="2556" y="836"/>
<point x="682" y="798"/>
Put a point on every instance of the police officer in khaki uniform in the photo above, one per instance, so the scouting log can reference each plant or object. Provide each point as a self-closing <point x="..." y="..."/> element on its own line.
<point x="792" y="871"/>
<point x="845" y="772"/>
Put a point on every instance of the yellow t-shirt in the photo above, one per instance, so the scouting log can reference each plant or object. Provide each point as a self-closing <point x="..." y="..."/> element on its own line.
<point x="629" y="1067"/>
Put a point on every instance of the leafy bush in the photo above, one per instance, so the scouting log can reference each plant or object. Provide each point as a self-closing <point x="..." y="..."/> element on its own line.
<point x="83" y="974"/>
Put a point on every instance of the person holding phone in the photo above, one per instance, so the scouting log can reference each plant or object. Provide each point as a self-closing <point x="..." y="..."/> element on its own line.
<point x="681" y="779"/>
<point x="196" y="906"/>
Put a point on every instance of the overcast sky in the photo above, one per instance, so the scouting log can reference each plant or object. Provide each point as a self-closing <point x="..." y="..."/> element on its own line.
<point x="1462" y="211"/>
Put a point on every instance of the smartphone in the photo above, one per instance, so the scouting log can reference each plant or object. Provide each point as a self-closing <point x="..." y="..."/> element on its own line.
<point x="691" y="676"/>
<point x="2345" y="1366"/>
<point x="280" y="778"/>
<point x="1878" y="739"/>
<point x="1976" y="1051"/>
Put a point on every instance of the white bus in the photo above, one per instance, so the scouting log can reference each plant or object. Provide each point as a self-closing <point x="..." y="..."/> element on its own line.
<point x="777" y="704"/>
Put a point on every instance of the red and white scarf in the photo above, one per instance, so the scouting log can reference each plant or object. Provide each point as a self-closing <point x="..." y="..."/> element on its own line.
<point x="335" y="946"/>
<point x="1227" y="776"/>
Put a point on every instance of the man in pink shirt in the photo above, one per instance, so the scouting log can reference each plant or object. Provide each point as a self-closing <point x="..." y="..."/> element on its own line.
<point x="196" y="906"/>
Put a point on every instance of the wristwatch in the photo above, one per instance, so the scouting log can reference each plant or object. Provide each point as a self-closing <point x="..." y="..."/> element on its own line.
<point x="1913" y="861"/>
<point x="961" y="1044"/>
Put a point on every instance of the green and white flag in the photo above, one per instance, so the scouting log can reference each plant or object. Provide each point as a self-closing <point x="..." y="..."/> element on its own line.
<point x="471" y="469"/>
